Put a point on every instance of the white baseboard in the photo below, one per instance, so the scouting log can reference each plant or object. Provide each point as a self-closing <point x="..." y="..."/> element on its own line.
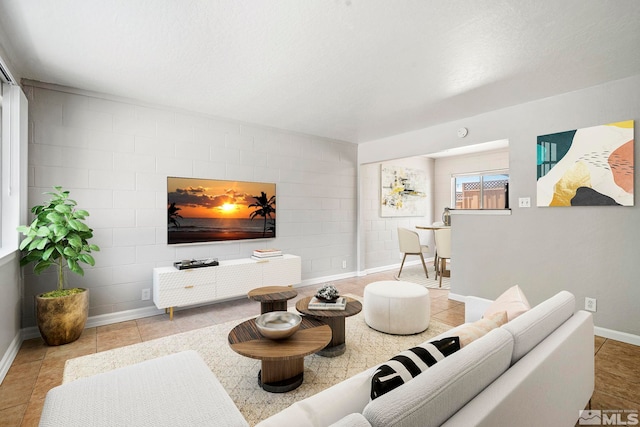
<point x="617" y="335"/>
<point x="315" y="281"/>
<point x="10" y="355"/>
<point x="381" y="269"/>
<point x="394" y="266"/>
<point x="457" y="297"/>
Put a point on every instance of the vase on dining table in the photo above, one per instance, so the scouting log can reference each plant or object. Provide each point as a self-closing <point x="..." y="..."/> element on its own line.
<point x="446" y="217"/>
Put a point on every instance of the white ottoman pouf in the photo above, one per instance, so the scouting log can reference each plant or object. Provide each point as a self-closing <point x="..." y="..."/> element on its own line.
<point x="397" y="307"/>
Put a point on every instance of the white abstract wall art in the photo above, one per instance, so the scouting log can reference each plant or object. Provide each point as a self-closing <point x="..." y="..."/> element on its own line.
<point x="403" y="191"/>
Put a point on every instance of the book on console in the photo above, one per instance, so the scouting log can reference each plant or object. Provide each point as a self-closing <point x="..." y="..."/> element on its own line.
<point x="265" y="258"/>
<point x="318" y="304"/>
<point x="266" y="253"/>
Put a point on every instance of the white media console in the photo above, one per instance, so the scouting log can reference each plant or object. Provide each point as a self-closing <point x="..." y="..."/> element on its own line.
<point x="231" y="278"/>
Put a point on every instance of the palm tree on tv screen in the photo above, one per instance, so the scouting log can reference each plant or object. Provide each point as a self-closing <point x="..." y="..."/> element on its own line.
<point x="264" y="208"/>
<point x="173" y="215"/>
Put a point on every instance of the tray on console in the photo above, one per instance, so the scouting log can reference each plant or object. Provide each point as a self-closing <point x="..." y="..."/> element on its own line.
<point x="195" y="263"/>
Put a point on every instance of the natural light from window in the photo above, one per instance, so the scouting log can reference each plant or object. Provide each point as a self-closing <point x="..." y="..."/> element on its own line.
<point x="483" y="190"/>
<point x="13" y="166"/>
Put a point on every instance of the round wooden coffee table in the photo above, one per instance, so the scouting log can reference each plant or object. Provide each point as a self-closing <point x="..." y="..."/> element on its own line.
<point x="272" y="298"/>
<point x="282" y="360"/>
<point x="335" y="319"/>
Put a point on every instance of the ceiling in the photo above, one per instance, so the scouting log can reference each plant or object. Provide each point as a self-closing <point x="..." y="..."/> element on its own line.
<point x="354" y="70"/>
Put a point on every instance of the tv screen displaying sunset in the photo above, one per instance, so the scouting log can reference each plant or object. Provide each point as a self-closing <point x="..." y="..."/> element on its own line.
<point x="210" y="210"/>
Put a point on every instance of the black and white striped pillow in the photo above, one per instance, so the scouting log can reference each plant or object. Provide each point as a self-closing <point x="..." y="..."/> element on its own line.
<point x="410" y="363"/>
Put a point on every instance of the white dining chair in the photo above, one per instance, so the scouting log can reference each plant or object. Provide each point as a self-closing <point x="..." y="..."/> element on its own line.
<point x="435" y="250"/>
<point x="410" y="245"/>
<point x="443" y="244"/>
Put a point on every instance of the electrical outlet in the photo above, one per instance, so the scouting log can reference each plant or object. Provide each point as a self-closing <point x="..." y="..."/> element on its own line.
<point x="344" y="263"/>
<point x="146" y="294"/>
<point x="590" y="304"/>
<point x="524" y="202"/>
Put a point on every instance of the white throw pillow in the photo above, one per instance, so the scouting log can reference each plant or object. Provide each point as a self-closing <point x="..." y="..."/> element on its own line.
<point x="512" y="301"/>
<point x="472" y="331"/>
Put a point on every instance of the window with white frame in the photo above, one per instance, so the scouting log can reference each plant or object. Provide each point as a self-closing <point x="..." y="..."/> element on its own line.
<point x="2" y="166"/>
<point x="13" y="166"/>
<point x="480" y="190"/>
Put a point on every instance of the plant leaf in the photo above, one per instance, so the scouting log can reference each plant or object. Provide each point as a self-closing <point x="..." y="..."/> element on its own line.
<point x="42" y="243"/>
<point x="87" y="259"/>
<point x="60" y="230"/>
<point x="75" y="241"/>
<point x="81" y="214"/>
<point x="41" y="266"/>
<point x="47" y="253"/>
<point x="55" y="217"/>
<point x="64" y="209"/>
<point x="23" y="229"/>
<point x="69" y="252"/>
<point x="25" y="242"/>
<point x="75" y="224"/>
<point x="73" y="266"/>
<point x="43" y="231"/>
<point x="34" y="244"/>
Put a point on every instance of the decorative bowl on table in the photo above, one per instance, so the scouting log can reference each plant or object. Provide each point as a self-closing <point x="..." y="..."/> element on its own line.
<point x="327" y="293"/>
<point x="277" y="325"/>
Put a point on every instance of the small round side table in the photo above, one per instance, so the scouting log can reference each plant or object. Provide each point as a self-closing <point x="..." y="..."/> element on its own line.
<point x="272" y="298"/>
<point x="335" y="319"/>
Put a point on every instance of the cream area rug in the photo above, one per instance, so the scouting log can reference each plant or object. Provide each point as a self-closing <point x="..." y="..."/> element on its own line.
<point x="415" y="274"/>
<point x="239" y="375"/>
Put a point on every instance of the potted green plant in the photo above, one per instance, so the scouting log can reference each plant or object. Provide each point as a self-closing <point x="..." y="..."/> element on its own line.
<point x="59" y="237"/>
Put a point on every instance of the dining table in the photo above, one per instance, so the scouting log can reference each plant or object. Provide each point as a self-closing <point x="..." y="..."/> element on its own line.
<point x="432" y="227"/>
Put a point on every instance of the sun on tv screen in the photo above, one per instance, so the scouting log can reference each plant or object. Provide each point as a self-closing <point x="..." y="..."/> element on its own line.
<point x="212" y="210"/>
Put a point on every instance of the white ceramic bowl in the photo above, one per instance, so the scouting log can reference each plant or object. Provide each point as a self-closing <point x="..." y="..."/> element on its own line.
<point x="278" y="324"/>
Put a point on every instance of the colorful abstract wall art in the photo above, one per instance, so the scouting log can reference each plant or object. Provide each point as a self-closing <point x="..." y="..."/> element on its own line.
<point x="587" y="167"/>
<point x="404" y="191"/>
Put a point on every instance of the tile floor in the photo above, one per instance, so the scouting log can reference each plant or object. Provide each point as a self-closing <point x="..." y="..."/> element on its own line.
<point x="37" y="368"/>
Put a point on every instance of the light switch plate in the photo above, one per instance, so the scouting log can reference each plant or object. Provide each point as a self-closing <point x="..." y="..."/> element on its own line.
<point x="590" y="304"/>
<point x="524" y="202"/>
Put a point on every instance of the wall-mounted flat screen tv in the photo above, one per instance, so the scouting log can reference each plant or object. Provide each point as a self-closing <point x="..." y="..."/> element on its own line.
<point x="213" y="210"/>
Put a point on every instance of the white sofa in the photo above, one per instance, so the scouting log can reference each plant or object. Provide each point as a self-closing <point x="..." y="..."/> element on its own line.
<point x="178" y="390"/>
<point x="537" y="369"/>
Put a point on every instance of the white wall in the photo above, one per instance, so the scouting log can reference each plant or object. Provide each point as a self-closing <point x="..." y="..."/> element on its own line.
<point x="590" y="251"/>
<point x="380" y="234"/>
<point x="9" y="311"/>
<point x="115" y="155"/>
